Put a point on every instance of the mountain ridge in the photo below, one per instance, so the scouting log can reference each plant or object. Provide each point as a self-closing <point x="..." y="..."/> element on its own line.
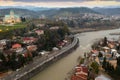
<point x="64" y="12"/>
<point x="108" y="11"/>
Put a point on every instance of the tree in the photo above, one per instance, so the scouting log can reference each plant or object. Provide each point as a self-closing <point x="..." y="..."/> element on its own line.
<point x="23" y="19"/>
<point x="117" y="71"/>
<point x="13" y="62"/>
<point x="105" y="41"/>
<point x="63" y="31"/>
<point x="100" y="54"/>
<point x="21" y="60"/>
<point x="107" y="66"/>
<point x="118" y="61"/>
<point x="29" y="56"/>
<point x="3" y="62"/>
<point x="95" y="67"/>
<point x="104" y="63"/>
<point x="82" y="61"/>
<point x="2" y="57"/>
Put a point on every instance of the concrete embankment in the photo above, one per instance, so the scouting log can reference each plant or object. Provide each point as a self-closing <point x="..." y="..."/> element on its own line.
<point x="39" y="67"/>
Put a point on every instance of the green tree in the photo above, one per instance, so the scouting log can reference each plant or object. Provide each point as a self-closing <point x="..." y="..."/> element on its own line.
<point x="118" y="61"/>
<point x="21" y="60"/>
<point x="2" y="57"/>
<point x="3" y="61"/>
<point x="105" y="41"/>
<point x="100" y="54"/>
<point x="95" y="67"/>
<point x="82" y="61"/>
<point x="117" y="71"/>
<point x="13" y="61"/>
<point x="104" y="63"/>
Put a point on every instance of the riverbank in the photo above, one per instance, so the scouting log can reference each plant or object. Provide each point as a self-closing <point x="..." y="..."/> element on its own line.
<point x="81" y="30"/>
<point x="35" y="67"/>
<point x="91" y="66"/>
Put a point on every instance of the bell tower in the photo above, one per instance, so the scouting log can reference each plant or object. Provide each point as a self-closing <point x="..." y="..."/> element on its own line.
<point x="12" y="14"/>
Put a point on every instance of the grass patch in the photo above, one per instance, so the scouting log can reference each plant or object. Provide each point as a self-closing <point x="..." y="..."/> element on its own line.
<point x="7" y="27"/>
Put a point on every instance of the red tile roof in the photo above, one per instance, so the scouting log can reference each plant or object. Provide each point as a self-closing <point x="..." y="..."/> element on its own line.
<point x="16" y="46"/>
<point x="81" y="73"/>
<point x="29" y="39"/>
<point x="78" y="78"/>
<point x="82" y="68"/>
<point x="94" y="51"/>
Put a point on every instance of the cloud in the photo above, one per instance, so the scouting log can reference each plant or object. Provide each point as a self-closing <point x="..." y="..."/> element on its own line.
<point x="60" y="3"/>
<point x="48" y="0"/>
<point x="58" y="0"/>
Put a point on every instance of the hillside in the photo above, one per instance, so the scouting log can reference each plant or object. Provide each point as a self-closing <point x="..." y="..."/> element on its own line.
<point x="108" y="11"/>
<point x="55" y="12"/>
<point x="72" y="11"/>
<point x="77" y="10"/>
<point x="21" y="12"/>
<point x="33" y="8"/>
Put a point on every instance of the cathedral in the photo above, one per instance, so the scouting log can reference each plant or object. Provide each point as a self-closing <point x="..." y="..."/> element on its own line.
<point x="12" y="18"/>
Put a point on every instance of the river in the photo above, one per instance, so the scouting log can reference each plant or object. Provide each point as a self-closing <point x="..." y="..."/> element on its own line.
<point x="60" y="69"/>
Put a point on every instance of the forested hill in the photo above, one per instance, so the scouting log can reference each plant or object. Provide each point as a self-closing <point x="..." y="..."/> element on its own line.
<point x="49" y="13"/>
<point x="18" y="11"/>
<point x="108" y="11"/>
<point x="52" y="12"/>
<point x="68" y="11"/>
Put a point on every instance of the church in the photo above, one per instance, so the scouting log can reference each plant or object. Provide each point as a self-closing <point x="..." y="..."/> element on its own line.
<point x="12" y="18"/>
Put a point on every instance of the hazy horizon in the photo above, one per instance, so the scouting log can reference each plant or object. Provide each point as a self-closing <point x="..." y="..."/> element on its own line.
<point x="61" y="3"/>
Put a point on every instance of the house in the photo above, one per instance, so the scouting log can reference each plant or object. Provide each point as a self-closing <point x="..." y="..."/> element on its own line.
<point x="40" y="25"/>
<point x="102" y="77"/>
<point x="113" y="51"/>
<point x="54" y="28"/>
<point x="32" y="48"/>
<point x="39" y="32"/>
<point x="3" y="41"/>
<point x="117" y="55"/>
<point x="61" y="43"/>
<point x="20" y="50"/>
<point x="106" y="49"/>
<point x="111" y="45"/>
<point x="27" y="53"/>
<point x="81" y="73"/>
<point x="55" y="49"/>
<point x="65" y="41"/>
<point x="28" y="40"/>
<point x="1" y="46"/>
<point x="16" y="46"/>
<point x="44" y="53"/>
<point x="94" y="51"/>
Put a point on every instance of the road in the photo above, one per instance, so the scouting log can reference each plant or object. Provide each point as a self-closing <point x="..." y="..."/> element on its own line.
<point x="38" y="62"/>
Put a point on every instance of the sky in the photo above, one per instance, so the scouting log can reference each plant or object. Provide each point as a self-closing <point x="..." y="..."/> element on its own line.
<point x="61" y="3"/>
